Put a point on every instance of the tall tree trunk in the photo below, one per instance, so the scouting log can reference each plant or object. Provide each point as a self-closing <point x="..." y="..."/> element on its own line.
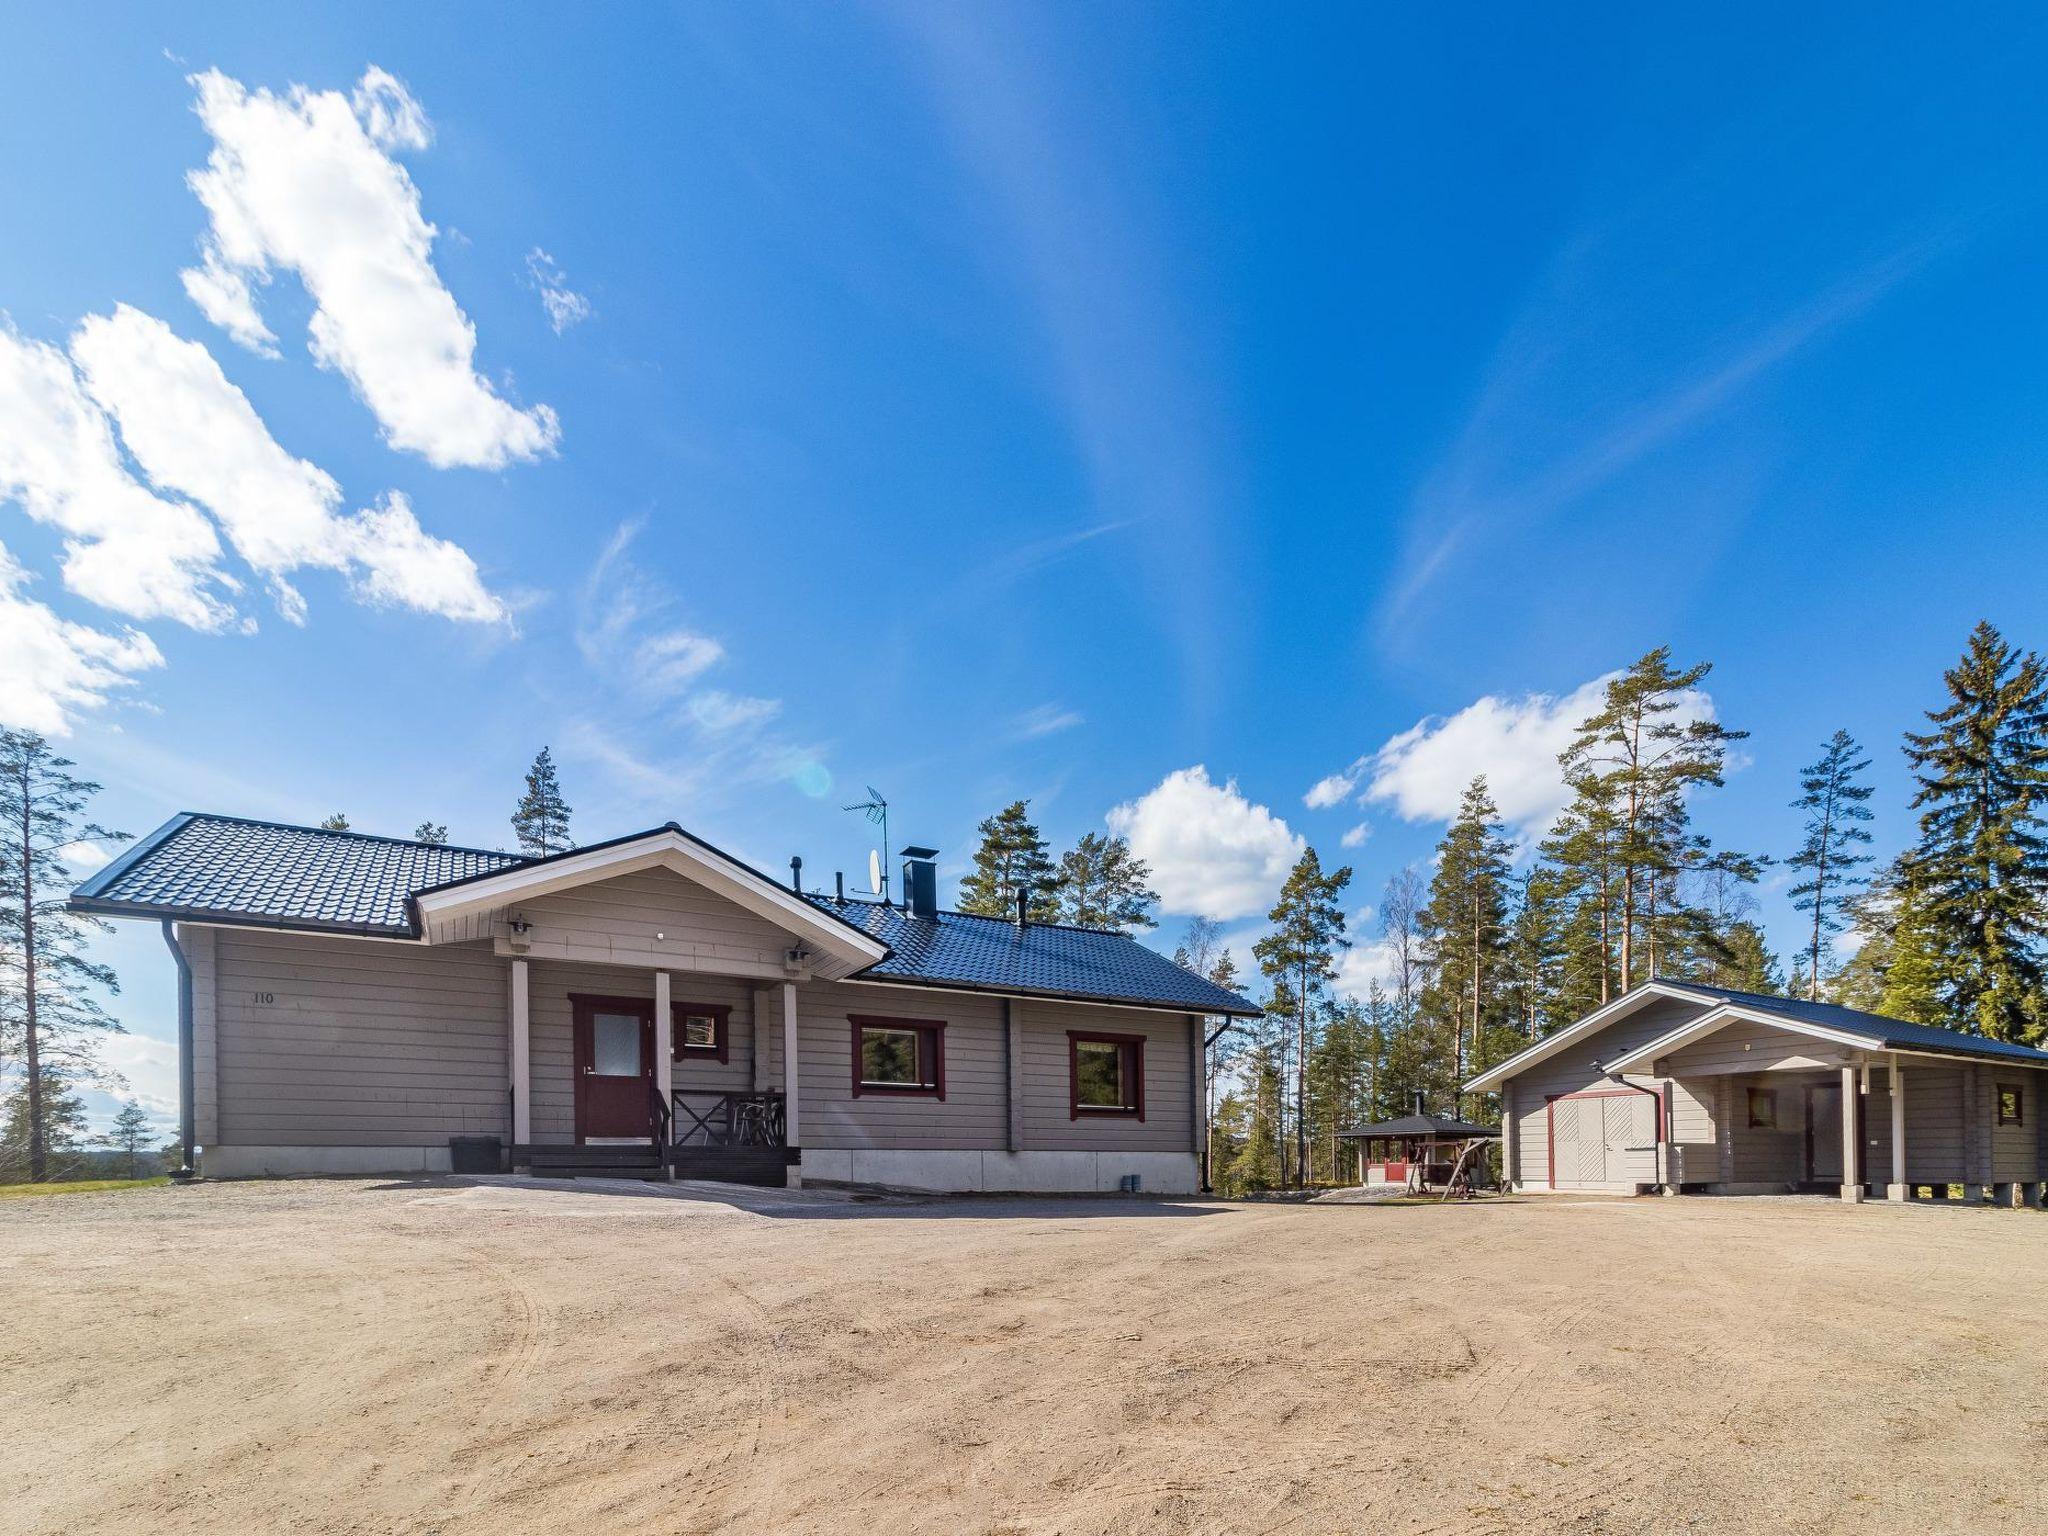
<point x="38" y="1140"/>
<point x="1301" y="1080"/>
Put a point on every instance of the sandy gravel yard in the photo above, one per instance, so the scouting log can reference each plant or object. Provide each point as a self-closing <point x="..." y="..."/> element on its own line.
<point x="505" y="1357"/>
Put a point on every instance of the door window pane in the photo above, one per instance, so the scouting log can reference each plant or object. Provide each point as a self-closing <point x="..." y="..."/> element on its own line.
<point x="615" y="1044"/>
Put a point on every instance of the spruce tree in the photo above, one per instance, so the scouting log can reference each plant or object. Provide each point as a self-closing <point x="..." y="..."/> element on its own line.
<point x="42" y="1129"/>
<point x="1301" y="953"/>
<point x="541" y="818"/>
<point x="334" y="821"/>
<point x="1977" y="878"/>
<point x="49" y="1007"/>
<point x="1832" y="794"/>
<point x="1102" y="884"/>
<point x="1465" y="925"/>
<point x="1012" y="854"/>
<point x="431" y="832"/>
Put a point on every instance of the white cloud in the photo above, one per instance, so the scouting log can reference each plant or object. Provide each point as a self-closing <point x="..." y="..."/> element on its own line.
<point x="82" y="858"/>
<point x="150" y="1067"/>
<point x="1212" y="851"/>
<point x="564" y="305"/>
<point x="1355" y="838"/>
<point x="305" y="182"/>
<point x="1365" y="962"/>
<point x="193" y="432"/>
<point x="124" y="548"/>
<point x="1045" y="720"/>
<point x="55" y="669"/>
<point x="717" y="710"/>
<point x="1514" y="742"/>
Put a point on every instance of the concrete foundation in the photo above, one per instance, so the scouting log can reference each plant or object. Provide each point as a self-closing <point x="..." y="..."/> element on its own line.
<point x="283" y="1162"/>
<point x="977" y="1172"/>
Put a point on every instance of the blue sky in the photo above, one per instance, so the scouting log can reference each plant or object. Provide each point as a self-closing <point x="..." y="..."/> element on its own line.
<point x="1039" y="401"/>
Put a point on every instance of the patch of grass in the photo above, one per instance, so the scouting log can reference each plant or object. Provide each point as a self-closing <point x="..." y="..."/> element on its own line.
<point x="80" y="1186"/>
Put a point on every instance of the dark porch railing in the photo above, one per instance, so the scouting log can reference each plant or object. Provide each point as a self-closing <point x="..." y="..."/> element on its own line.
<point x="704" y="1118"/>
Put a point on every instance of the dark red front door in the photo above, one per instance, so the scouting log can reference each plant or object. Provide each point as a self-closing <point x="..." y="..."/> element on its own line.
<point x="614" y="1067"/>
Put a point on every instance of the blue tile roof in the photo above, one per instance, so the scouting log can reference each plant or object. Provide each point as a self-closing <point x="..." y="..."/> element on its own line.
<point x="227" y="869"/>
<point x="1888" y="1033"/>
<point x="989" y="954"/>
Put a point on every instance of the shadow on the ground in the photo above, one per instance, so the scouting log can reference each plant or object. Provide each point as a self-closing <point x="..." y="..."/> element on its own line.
<point x="816" y="1203"/>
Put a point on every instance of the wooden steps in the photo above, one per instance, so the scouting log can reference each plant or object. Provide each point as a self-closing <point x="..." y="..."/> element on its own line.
<point x="641" y="1161"/>
<point x="764" y="1166"/>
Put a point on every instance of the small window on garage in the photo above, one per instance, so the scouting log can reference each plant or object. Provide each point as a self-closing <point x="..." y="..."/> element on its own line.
<point x="1763" y="1109"/>
<point x="700" y="1031"/>
<point x="2011" y="1104"/>
<point x="1105" y="1075"/>
<point x="899" y="1056"/>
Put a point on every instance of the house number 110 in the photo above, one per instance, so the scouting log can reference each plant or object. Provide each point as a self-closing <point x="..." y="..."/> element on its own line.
<point x="264" y="997"/>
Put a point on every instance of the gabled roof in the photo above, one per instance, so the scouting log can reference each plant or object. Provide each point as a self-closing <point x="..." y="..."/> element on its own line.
<point x="266" y="874"/>
<point x="241" y="872"/>
<point x="1421" y="1125"/>
<point x="965" y="952"/>
<point x="1721" y="1005"/>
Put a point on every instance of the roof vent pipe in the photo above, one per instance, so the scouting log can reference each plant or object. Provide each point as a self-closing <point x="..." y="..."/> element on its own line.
<point x="839" y="883"/>
<point x="796" y="874"/>
<point x="920" y="881"/>
<point x="1418" y="1103"/>
<point x="1023" y="907"/>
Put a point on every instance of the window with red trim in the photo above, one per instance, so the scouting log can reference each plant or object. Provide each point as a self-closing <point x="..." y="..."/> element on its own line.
<point x="906" y="1057"/>
<point x="2011" y="1104"/>
<point x="1105" y="1075"/>
<point x="700" y="1031"/>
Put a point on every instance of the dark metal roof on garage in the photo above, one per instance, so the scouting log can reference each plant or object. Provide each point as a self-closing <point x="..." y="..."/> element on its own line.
<point x="1879" y="1029"/>
<point x="244" y="872"/>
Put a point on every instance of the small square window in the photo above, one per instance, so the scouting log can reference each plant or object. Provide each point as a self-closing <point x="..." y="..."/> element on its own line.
<point x="701" y="1031"/>
<point x="899" y="1056"/>
<point x="1763" y="1109"/>
<point x="1105" y="1075"/>
<point x="2011" y="1104"/>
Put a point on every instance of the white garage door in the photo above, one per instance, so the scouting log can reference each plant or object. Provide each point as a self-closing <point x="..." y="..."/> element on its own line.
<point x="1603" y="1140"/>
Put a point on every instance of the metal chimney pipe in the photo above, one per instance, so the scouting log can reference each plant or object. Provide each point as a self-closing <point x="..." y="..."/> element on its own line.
<point x="796" y="874"/>
<point x="1023" y="907"/>
<point x="839" y="882"/>
<point x="1418" y="1103"/>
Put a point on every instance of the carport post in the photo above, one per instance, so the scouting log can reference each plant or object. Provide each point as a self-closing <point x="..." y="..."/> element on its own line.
<point x="522" y="1060"/>
<point x="1899" y="1190"/>
<point x="1852" y="1181"/>
<point x="664" y="1049"/>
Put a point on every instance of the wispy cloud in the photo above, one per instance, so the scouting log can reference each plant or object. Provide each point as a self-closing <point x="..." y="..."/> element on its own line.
<point x="565" y="307"/>
<point x="1044" y="720"/>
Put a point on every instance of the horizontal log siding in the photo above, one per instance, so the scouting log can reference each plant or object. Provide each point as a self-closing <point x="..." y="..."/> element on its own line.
<point x="617" y="920"/>
<point x="2015" y="1149"/>
<point x="363" y="1044"/>
<point x="551" y="1020"/>
<point x="1575" y="1068"/>
<point x="1744" y="1047"/>
<point x="1169" y="1124"/>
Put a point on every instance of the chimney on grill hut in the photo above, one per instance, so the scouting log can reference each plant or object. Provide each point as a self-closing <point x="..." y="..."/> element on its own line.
<point x="920" y="881"/>
<point x="1023" y="907"/>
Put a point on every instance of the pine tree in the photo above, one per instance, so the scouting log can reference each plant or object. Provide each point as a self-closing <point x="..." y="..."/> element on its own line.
<point x="1978" y="875"/>
<point x="1465" y="925"/>
<point x="1012" y="854"/>
<point x="1744" y="962"/>
<point x="1632" y="768"/>
<point x="334" y="822"/>
<point x="131" y="1135"/>
<point x="49" y="1010"/>
<point x="42" y="1129"/>
<point x="541" y="818"/>
<point x="1301" y="951"/>
<point x="1102" y="884"/>
<point x="431" y="832"/>
<point x="1832" y="795"/>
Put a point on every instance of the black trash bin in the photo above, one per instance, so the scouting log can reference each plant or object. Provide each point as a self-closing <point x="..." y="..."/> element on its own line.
<point x="476" y="1154"/>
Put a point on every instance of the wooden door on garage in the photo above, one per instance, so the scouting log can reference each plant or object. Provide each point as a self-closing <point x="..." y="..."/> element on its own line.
<point x="1598" y="1139"/>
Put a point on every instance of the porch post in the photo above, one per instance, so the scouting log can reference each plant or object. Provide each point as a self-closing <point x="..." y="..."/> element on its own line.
<point x="664" y="1037"/>
<point x="1852" y="1183"/>
<point x="522" y="1060"/>
<point x="1899" y="1189"/>
<point x="793" y="1132"/>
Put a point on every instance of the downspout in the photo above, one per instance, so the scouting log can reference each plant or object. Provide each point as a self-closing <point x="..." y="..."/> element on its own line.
<point x="187" y="1120"/>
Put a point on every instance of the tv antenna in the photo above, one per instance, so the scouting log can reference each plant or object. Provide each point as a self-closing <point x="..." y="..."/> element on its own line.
<point x="876" y="809"/>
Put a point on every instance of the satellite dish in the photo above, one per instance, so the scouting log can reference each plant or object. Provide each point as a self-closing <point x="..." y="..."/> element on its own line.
<point x="875" y="870"/>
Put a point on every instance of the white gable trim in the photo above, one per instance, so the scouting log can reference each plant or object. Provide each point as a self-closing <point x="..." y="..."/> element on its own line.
<point x="1694" y="1030"/>
<point x="1599" y="1018"/>
<point x="666" y="849"/>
